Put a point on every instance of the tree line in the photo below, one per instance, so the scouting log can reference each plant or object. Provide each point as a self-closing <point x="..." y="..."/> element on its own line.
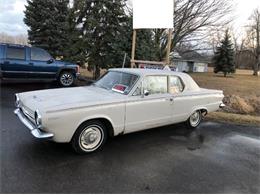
<point x="229" y="53"/>
<point x="99" y="32"/>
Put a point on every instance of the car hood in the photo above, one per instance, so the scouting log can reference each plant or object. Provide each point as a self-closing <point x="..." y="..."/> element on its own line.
<point x="66" y="98"/>
<point x="60" y="62"/>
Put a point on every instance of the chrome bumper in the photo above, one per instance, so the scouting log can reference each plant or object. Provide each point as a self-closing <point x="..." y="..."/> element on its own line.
<point x="222" y="105"/>
<point x="34" y="130"/>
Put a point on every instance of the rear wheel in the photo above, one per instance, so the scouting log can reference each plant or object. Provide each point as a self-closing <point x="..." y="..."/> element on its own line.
<point x="194" y="120"/>
<point x="89" y="137"/>
<point x="66" y="79"/>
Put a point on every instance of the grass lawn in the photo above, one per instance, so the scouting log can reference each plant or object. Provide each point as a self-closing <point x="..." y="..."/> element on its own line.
<point x="240" y="119"/>
<point x="242" y="96"/>
<point x="237" y="84"/>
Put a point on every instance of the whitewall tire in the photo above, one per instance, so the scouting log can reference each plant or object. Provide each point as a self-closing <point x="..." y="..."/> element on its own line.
<point x="89" y="137"/>
<point x="194" y="120"/>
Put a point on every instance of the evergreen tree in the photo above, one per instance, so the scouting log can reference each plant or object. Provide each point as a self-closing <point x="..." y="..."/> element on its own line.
<point x="224" y="56"/>
<point x="145" y="47"/>
<point x="105" y="34"/>
<point x="74" y="49"/>
<point x="47" y="22"/>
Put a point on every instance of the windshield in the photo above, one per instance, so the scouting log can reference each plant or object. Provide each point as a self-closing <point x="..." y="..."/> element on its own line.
<point x="117" y="81"/>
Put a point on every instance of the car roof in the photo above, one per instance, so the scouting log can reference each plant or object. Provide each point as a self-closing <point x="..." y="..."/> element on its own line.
<point x="14" y="45"/>
<point x="189" y="83"/>
<point x="143" y="72"/>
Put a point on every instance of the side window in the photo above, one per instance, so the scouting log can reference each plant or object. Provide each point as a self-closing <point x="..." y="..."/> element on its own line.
<point x="15" y="53"/>
<point x="175" y="85"/>
<point x="155" y="84"/>
<point x="39" y="54"/>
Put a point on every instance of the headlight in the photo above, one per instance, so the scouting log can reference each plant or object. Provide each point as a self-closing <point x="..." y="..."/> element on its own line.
<point x="38" y="118"/>
<point x="17" y="101"/>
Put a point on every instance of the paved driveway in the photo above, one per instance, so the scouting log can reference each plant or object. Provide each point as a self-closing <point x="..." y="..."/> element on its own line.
<point x="218" y="158"/>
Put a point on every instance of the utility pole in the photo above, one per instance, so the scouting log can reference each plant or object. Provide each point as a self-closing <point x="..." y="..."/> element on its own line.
<point x="167" y="60"/>
<point x="133" y="49"/>
<point x="256" y="18"/>
<point x="257" y="44"/>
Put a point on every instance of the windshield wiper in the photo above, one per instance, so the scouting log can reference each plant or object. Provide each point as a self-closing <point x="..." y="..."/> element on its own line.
<point x="100" y="86"/>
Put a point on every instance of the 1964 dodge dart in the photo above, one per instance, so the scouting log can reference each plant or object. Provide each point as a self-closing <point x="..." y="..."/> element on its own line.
<point x="122" y="101"/>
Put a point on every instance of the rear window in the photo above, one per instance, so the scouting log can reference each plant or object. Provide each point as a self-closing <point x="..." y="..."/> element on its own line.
<point x="175" y="85"/>
<point x="39" y="54"/>
<point x="15" y="53"/>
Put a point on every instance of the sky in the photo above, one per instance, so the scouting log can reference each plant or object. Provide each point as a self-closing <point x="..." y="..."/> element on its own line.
<point x="242" y="11"/>
<point x="11" y="15"/>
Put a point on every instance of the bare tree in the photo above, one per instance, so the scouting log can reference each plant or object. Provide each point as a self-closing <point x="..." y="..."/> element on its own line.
<point x="193" y="18"/>
<point x="14" y="39"/>
<point x="253" y="39"/>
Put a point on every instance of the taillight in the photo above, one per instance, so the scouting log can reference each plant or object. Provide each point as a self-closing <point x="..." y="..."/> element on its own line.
<point x="77" y="69"/>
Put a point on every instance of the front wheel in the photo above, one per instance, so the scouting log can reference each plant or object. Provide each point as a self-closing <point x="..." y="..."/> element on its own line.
<point x="66" y="79"/>
<point x="89" y="137"/>
<point x="194" y="120"/>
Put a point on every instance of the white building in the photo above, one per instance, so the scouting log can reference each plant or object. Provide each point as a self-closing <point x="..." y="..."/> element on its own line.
<point x="188" y="63"/>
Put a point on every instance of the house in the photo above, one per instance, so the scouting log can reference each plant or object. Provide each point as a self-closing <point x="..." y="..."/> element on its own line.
<point x="189" y="61"/>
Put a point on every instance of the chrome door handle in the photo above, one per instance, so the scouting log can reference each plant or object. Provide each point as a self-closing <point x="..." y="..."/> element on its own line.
<point x="170" y="99"/>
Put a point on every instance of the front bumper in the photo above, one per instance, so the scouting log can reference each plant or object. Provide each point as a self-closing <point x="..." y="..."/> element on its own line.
<point x="222" y="105"/>
<point x="36" y="132"/>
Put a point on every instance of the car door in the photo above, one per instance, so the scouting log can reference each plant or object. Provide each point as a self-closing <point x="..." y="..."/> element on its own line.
<point x="43" y="65"/>
<point x="182" y="101"/>
<point x="14" y="64"/>
<point x="145" y="110"/>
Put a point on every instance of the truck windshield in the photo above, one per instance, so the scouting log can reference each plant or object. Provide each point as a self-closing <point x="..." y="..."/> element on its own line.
<point x="120" y="82"/>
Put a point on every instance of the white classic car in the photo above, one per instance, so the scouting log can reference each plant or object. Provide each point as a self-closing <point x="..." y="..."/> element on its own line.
<point x="122" y="101"/>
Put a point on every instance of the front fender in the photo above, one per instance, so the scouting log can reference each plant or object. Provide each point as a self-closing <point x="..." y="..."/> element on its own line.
<point x="96" y="117"/>
<point x="64" y="126"/>
<point x="67" y="68"/>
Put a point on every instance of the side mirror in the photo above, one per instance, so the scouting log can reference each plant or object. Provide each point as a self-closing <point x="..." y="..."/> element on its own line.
<point x="146" y="92"/>
<point x="50" y="61"/>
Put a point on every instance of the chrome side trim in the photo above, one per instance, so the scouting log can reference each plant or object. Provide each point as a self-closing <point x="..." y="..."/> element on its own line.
<point x="222" y="105"/>
<point x="34" y="131"/>
<point x="28" y="72"/>
<point x="124" y="102"/>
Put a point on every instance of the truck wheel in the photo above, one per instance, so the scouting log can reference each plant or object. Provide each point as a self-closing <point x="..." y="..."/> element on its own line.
<point x="89" y="137"/>
<point x="194" y="120"/>
<point x="66" y="79"/>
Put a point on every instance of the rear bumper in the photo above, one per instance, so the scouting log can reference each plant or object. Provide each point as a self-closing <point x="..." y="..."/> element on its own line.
<point x="222" y="105"/>
<point x="36" y="132"/>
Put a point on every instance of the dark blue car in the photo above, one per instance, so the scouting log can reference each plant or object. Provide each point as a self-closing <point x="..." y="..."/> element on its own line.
<point x="23" y="62"/>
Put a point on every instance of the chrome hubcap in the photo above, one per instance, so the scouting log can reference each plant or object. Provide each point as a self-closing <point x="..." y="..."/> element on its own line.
<point x="195" y="119"/>
<point x="66" y="79"/>
<point x="91" y="138"/>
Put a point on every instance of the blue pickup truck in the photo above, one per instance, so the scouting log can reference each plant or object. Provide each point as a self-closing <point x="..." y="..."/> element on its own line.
<point x="24" y="62"/>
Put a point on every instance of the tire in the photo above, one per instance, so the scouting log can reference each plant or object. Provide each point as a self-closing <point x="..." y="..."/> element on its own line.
<point x="194" y="120"/>
<point x="66" y="79"/>
<point x="89" y="137"/>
